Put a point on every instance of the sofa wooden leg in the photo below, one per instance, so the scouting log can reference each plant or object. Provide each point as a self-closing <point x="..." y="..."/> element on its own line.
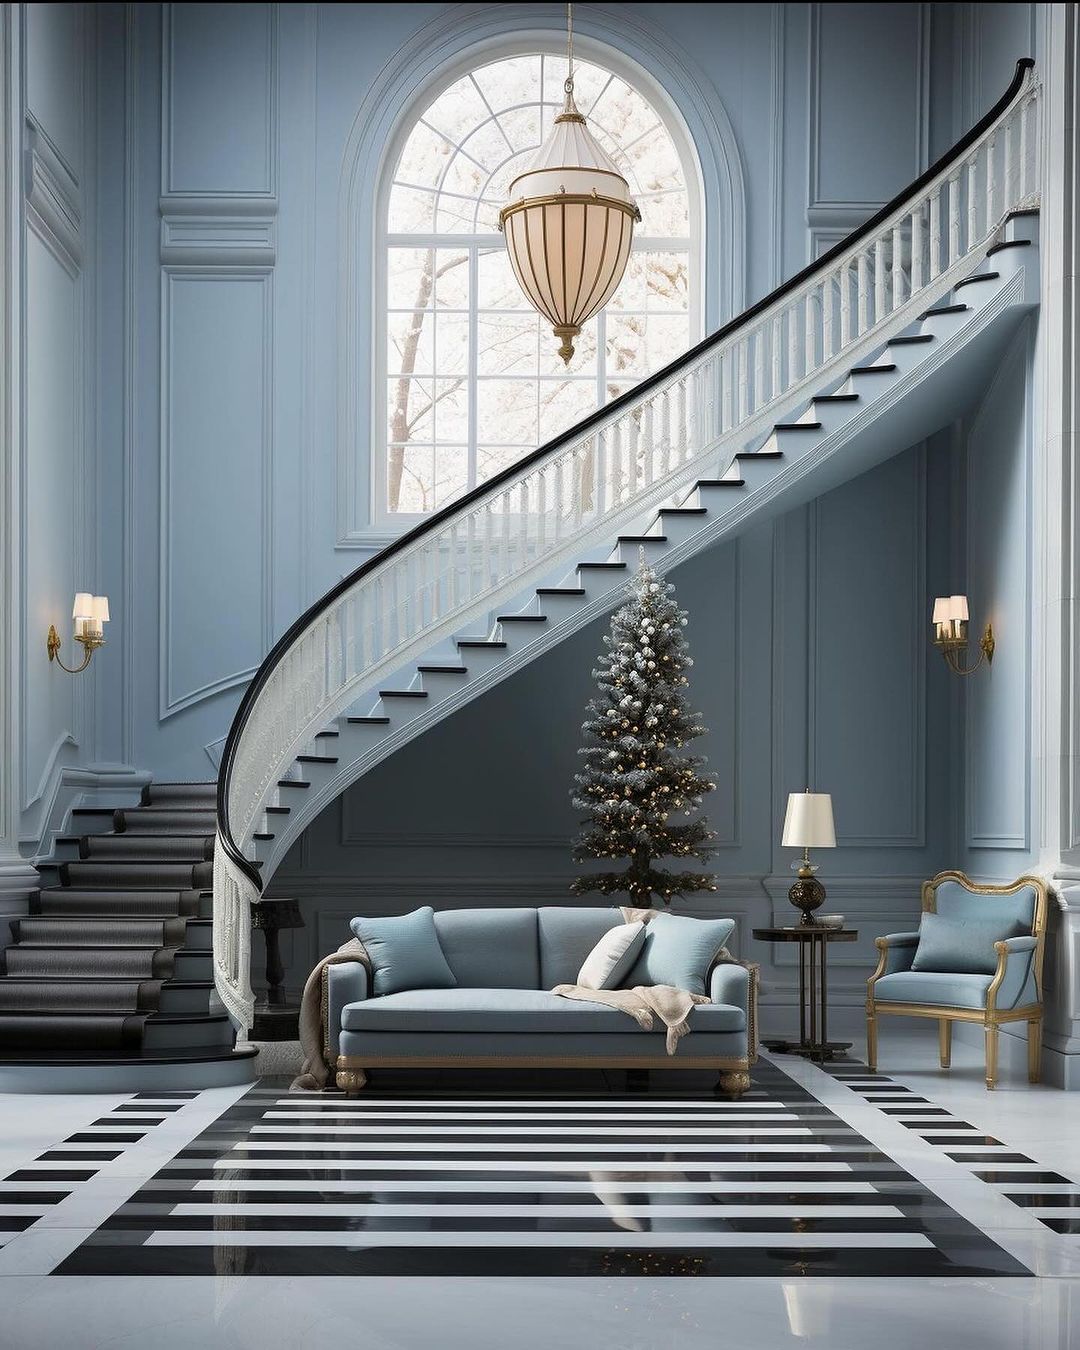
<point x="734" y="1083"/>
<point x="991" y="1055"/>
<point x="351" y="1081"/>
<point x="1034" y="1049"/>
<point x="871" y="1041"/>
<point x="944" y="1029"/>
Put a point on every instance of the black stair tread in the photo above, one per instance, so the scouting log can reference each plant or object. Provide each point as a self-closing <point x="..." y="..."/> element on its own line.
<point x="431" y="669"/>
<point x="403" y="693"/>
<point x="944" y="309"/>
<point x="836" y="398"/>
<point x="96" y="810"/>
<point x="316" y="759"/>
<point x="759" y="454"/>
<point x="320" y="735"/>
<point x="1023" y="211"/>
<point x="479" y="642"/>
<point x="179" y="1019"/>
<point x="187" y="984"/>
<point x="615" y="566"/>
<point x="262" y="835"/>
<point x="683" y="511"/>
<point x="278" y="810"/>
<point x="293" y="782"/>
<point x="909" y="339"/>
<point x="381" y="720"/>
<point x="560" y="590"/>
<point x="796" y="426"/>
<point x="1007" y="243"/>
<point x="982" y="276"/>
<point x="642" y="539"/>
<point x="872" y="370"/>
<point x="522" y="618"/>
<point x="180" y="1055"/>
<point x="127" y="862"/>
<point x="721" y="482"/>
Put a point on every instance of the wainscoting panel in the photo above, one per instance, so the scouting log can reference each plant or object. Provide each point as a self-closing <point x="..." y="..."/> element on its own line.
<point x="215" y="479"/>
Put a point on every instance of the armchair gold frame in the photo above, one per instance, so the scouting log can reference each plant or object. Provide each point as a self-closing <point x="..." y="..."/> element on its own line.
<point x="991" y="1018"/>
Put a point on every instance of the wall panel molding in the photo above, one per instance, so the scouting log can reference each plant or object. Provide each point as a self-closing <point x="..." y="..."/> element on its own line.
<point x="53" y="202"/>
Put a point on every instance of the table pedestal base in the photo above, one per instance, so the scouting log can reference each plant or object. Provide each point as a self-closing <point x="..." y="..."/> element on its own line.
<point x="823" y="1050"/>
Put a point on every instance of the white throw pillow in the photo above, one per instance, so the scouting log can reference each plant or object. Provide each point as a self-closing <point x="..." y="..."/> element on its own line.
<point x="612" y="957"/>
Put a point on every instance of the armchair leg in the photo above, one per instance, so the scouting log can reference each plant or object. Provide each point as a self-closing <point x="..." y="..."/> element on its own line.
<point x="945" y="1041"/>
<point x="1034" y="1049"/>
<point x="871" y="1040"/>
<point x="991" y="1055"/>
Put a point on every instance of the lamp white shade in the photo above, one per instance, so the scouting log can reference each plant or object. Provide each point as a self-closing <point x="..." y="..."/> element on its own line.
<point x="808" y="822"/>
<point x="83" y="607"/>
<point x="100" y="608"/>
<point x="942" y="607"/>
<point x="958" y="608"/>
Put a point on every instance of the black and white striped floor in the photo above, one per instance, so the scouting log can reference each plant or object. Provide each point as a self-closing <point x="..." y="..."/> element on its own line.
<point x="1046" y="1195"/>
<point x="651" y="1184"/>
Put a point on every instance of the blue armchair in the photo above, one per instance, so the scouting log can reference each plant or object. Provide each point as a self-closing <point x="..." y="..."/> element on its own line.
<point x="977" y="958"/>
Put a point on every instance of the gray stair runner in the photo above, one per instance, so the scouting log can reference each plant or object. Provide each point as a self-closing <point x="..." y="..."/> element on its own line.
<point x="113" y="961"/>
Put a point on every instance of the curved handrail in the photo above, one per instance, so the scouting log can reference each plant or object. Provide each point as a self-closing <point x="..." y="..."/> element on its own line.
<point x="625" y="401"/>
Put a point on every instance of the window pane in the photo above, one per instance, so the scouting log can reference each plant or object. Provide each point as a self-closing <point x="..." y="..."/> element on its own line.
<point x="457" y="110"/>
<point x="491" y="458"/>
<point x="498" y="288"/>
<point x="506" y="411"/>
<point x="664" y="213"/>
<point x="411" y="212"/>
<point x="516" y="80"/>
<point x="452" y="344"/>
<point x="451" y="473"/>
<point x="562" y="403"/>
<point x="410" y="278"/>
<point x="583" y="361"/>
<point x="452" y="278"/>
<point x="451" y="411"/>
<point x="408" y="410"/>
<point x="416" y="479"/>
<point x="411" y="349"/>
<point x="424" y="159"/>
<point x="507" y="343"/>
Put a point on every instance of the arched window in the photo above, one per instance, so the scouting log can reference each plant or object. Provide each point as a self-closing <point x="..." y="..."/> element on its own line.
<point x="471" y="377"/>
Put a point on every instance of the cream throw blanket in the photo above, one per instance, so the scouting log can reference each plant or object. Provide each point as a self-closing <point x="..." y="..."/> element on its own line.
<point x="316" y="1074"/>
<point x="672" y="1006"/>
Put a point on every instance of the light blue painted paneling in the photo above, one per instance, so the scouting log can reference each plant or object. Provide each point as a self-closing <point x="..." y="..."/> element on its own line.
<point x="50" y="531"/>
<point x="215" y="476"/>
<point x="219" y="99"/>
<point x="867" y="102"/>
<point x="998" y="699"/>
<point x="866" y="698"/>
<point x="54" y="75"/>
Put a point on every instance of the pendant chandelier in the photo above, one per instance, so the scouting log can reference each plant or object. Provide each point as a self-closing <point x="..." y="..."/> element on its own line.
<point x="569" y="222"/>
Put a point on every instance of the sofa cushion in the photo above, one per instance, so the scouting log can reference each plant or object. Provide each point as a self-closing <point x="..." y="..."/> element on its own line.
<point x="948" y="991"/>
<point x="516" y="1011"/>
<point x="963" y="944"/>
<point x="404" y="952"/>
<point x="680" y="951"/>
<point x="607" y="963"/>
<point x="568" y="933"/>
<point x="491" y="948"/>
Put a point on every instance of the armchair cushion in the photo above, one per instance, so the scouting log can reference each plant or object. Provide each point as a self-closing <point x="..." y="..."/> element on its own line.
<point x="933" y="987"/>
<point x="680" y="951"/>
<point x="404" y="952"/>
<point x="962" y="945"/>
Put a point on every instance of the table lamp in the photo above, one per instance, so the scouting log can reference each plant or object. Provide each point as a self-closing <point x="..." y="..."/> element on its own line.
<point x="808" y="824"/>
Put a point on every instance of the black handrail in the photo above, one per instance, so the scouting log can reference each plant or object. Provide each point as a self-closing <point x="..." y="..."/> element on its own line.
<point x="624" y="400"/>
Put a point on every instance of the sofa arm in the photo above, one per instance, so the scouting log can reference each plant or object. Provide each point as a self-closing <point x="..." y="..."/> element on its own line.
<point x="896" y="952"/>
<point x="736" y="983"/>
<point x="1013" y="984"/>
<point x="343" y="983"/>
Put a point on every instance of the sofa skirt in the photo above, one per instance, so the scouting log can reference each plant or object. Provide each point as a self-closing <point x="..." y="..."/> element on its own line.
<point x="403" y="1046"/>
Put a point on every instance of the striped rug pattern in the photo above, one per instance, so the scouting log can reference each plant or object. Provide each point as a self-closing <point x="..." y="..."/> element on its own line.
<point x="29" y="1193"/>
<point x="649" y="1184"/>
<point x="1046" y="1195"/>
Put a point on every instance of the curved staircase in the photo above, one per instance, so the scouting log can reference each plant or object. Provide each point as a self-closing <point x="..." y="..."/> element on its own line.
<point x="112" y="967"/>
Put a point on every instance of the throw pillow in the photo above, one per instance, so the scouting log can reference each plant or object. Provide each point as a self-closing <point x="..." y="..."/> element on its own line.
<point x="679" y="951"/>
<point x="612" y="957"/>
<point x="404" y="952"/>
<point x="957" y="946"/>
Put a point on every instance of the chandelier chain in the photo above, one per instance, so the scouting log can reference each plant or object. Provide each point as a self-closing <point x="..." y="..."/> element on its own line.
<point x="569" y="85"/>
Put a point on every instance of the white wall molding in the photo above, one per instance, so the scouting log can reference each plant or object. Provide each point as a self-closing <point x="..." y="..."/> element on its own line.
<point x="53" y="203"/>
<point x="231" y="241"/>
<point x="83" y="785"/>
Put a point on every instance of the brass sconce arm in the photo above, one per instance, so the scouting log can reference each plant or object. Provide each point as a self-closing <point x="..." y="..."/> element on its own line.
<point x="90" y="644"/>
<point x="952" y="647"/>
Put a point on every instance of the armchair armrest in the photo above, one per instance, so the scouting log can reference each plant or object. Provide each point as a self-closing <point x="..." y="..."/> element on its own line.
<point x="736" y="983"/>
<point x="896" y="952"/>
<point x="1014" y="983"/>
<point x="345" y="982"/>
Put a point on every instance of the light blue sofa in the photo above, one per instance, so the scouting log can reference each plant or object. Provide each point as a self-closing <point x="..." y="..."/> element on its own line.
<point x="502" y="1012"/>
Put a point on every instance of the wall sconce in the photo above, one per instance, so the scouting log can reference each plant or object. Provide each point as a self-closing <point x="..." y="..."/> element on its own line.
<point x="951" y="633"/>
<point x="90" y="613"/>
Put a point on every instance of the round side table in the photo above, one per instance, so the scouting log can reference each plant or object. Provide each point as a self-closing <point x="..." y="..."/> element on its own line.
<point x="813" y="940"/>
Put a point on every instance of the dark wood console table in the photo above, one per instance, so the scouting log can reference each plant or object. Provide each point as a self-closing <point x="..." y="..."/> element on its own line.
<point x="813" y="940"/>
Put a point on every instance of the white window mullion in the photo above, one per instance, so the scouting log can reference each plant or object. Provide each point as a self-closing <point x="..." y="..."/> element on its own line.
<point x="474" y="351"/>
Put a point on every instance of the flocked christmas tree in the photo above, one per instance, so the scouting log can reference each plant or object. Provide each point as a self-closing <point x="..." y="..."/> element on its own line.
<point x="639" y="783"/>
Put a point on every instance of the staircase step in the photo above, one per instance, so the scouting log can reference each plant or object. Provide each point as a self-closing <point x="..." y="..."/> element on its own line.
<point x="367" y="721"/>
<point x="161" y="820"/>
<point x="910" y="340"/>
<point x="721" y="482"/>
<point x="872" y="370"/>
<point x="403" y="693"/>
<point x="295" y="782"/>
<point x="560" y="590"/>
<point x="181" y="1054"/>
<point x="1007" y="243"/>
<point x="64" y="901"/>
<point x="91" y="930"/>
<point x="79" y="996"/>
<point x="796" y="426"/>
<point x="759" y="454"/>
<point x="835" y="398"/>
<point x="429" y="669"/>
<point x="316" y="759"/>
<point x="180" y="794"/>
<point x="642" y="539"/>
<point x="120" y="874"/>
<point x="982" y="276"/>
<point x="601" y="566"/>
<point x="683" y="511"/>
<point x="324" y="735"/>
<point x="944" y="309"/>
<point x="480" y="642"/>
<point x="101" y="963"/>
<point x="74" y="1031"/>
<point x="522" y="618"/>
<point x="279" y="810"/>
<point x="161" y="1032"/>
<point x="263" y="836"/>
<point x="147" y="847"/>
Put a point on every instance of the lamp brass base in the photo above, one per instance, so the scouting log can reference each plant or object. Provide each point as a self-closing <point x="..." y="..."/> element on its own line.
<point x="807" y="894"/>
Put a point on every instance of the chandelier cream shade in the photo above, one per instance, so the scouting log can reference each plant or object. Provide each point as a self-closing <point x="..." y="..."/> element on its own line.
<point x="569" y="225"/>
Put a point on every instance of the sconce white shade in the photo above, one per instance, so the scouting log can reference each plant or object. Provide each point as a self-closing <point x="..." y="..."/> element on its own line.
<point x="84" y="606"/>
<point x="808" y="822"/>
<point x="100" y="608"/>
<point x="941" y="609"/>
<point x="958" y="608"/>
